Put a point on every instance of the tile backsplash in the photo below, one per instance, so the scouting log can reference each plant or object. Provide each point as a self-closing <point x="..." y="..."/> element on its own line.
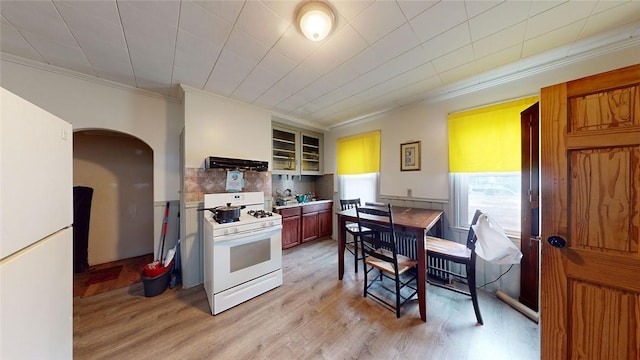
<point x="321" y="186"/>
<point x="198" y="181"/>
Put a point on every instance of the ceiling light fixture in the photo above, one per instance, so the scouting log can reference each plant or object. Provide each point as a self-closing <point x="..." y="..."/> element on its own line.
<point x="315" y="20"/>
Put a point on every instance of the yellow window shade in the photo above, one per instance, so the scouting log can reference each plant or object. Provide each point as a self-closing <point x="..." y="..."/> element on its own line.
<point x="487" y="139"/>
<point x="358" y="154"/>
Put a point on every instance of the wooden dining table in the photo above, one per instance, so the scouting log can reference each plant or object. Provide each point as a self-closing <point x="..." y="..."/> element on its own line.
<point x="410" y="221"/>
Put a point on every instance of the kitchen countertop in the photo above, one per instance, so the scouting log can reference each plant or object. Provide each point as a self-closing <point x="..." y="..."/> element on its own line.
<point x="296" y="204"/>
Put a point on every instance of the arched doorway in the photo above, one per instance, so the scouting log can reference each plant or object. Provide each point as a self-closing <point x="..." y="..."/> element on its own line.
<point x="119" y="167"/>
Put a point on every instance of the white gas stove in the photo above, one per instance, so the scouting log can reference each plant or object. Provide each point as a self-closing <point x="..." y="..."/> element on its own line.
<point x="242" y="256"/>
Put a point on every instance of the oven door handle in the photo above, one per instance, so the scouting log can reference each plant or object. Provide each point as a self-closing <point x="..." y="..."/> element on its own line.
<point x="248" y="236"/>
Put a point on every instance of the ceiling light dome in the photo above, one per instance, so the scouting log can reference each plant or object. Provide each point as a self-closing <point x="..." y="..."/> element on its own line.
<point x="315" y="20"/>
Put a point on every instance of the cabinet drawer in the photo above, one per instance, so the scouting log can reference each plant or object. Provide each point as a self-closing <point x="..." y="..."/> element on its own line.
<point x="293" y="211"/>
<point x="316" y="207"/>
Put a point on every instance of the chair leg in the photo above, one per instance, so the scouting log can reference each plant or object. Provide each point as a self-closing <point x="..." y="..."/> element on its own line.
<point x="364" y="269"/>
<point x="355" y="256"/>
<point x="397" y="296"/>
<point x="471" y="275"/>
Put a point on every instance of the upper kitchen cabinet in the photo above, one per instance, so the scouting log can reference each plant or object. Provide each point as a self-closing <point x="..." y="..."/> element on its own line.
<point x="311" y="154"/>
<point x="296" y="152"/>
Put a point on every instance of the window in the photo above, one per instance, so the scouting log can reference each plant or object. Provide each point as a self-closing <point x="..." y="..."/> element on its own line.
<point x="358" y="165"/>
<point x="363" y="186"/>
<point x="484" y="163"/>
<point x="497" y="194"/>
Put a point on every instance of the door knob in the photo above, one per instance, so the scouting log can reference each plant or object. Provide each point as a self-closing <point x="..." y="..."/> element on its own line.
<point x="556" y="241"/>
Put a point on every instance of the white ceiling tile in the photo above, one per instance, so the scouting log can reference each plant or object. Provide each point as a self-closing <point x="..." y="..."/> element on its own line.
<point x="412" y="8"/>
<point x="104" y="10"/>
<point x="88" y="28"/>
<point x="395" y="43"/>
<point x="286" y="9"/>
<point x="475" y="8"/>
<point x="378" y="20"/>
<point x="13" y="43"/>
<point x="438" y="19"/>
<point x="350" y="9"/>
<point x="345" y="44"/>
<point x="255" y="84"/>
<point x="559" y="16"/>
<point x="48" y="25"/>
<point x="203" y="24"/>
<point x="411" y="59"/>
<point x="261" y="23"/>
<point x="226" y="9"/>
<point x="297" y="79"/>
<point x="538" y="7"/>
<point x="277" y="63"/>
<point x="161" y="12"/>
<point x="321" y="61"/>
<point x="246" y="47"/>
<point x="270" y="99"/>
<point x="447" y="42"/>
<point x="332" y="80"/>
<point x="500" y="40"/>
<point x="69" y="57"/>
<point x="189" y="69"/>
<point x="611" y="18"/>
<point x="553" y="39"/>
<point x="418" y="87"/>
<point x="295" y="46"/>
<point x="454" y="59"/>
<point x="498" y="18"/>
<point x="500" y="58"/>
<point x="365" y="61"/>
<point x="228" y="73"/>
<point x="459" y="73"/>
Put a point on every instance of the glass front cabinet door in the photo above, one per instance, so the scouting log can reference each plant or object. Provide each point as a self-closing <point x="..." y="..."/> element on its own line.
<point x="311" y="154"/>
<point x="296" y="152"/>
<point x="285" y="151"/>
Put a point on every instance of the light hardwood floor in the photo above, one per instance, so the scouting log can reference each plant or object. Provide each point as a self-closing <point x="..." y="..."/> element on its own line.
<point x="312" y="315"/>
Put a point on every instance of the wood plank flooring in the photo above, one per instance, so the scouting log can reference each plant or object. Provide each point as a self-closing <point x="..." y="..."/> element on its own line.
<point x="312" y="315"/>
<point x="89" y="283"/>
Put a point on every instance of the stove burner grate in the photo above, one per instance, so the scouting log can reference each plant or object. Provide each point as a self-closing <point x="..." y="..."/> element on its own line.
<point x="259" y="213"/>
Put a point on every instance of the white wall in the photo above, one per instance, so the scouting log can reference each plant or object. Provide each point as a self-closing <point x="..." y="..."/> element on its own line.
<point x="404" y="125"/>
<point x="217" y="126"/>
<point x="88" y="104"/>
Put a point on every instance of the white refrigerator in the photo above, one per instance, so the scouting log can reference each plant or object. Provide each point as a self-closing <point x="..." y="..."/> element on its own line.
<point x="36" y="216"/>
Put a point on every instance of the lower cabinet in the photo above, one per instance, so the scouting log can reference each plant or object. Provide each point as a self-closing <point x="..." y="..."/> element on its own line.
<point x="325" y="217"/>
<point x="305" y="223"/>
<point x="290" y="226"/>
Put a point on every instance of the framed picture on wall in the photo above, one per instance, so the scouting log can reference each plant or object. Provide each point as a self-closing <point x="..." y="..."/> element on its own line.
<point x="410" y="156"/>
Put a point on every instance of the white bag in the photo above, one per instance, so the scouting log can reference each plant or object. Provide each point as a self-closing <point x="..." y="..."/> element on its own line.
<point x="493" y="245"/>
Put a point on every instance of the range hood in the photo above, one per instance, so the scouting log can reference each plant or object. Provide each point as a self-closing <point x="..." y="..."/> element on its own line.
<point x="213" y="162"/>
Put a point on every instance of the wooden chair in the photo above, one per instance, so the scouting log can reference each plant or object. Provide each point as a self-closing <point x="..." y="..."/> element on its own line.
<point x="378" y="245"/>
<point x="351" y="243"/>
<point x="460" y="254"/>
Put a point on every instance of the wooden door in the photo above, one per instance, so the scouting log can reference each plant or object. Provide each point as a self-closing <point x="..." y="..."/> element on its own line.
<point x="530" y="220"/>
<point x="590" y="163"/>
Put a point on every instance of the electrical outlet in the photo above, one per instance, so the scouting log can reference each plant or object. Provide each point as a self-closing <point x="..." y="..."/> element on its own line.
<point x="408" y="192"/>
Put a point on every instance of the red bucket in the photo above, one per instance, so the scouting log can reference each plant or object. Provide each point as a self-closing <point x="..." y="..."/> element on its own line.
<point x="154" y="269"/>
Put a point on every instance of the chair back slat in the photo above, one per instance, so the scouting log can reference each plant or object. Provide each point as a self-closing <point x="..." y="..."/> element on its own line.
<point x="380" y="235"/>
<point x="346" y="204"/>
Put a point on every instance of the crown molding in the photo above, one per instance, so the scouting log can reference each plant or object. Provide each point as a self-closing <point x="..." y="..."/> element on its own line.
<point x="499" y="76"/>
<point x="83" y="77"/>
